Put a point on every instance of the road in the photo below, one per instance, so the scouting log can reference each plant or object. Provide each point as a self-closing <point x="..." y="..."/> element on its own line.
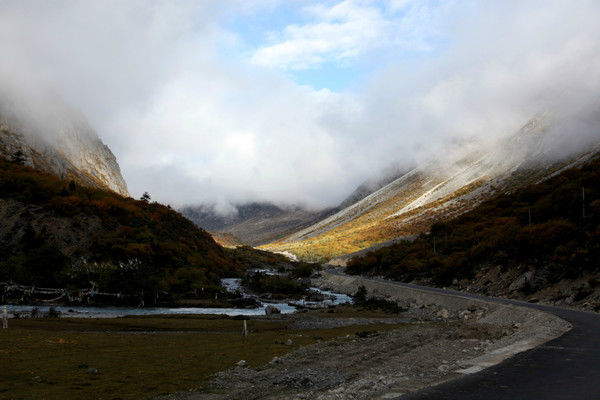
<point x="565" y="368"/>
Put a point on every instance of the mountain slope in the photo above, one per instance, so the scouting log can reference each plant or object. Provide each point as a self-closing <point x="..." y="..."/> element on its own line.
<point x="55" y="234"/>
<point x="539" y="243"/>
<point x="255" y="223"/>
<point x="436" y="191"/>
<point x="60" y="141"/>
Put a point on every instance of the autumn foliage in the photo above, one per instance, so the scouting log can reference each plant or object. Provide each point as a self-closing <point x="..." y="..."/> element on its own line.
<point x="137" y="246"/>
<point x="549" y="224"/>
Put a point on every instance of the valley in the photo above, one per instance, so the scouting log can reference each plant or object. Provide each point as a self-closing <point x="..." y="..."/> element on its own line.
<point x="298" y="200"/>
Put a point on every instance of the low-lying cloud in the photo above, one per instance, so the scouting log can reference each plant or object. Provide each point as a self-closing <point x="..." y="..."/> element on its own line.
<point x="196" y="114"/>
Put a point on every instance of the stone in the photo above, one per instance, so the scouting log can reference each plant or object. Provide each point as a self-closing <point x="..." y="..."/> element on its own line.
<point x="289" y="342"/>
<point x="521" y="282"/>
<point x="443" y="368"/>
<point x="270" y="310"/>
<point x="443" y="313"/>
<point x="241" y="363"/>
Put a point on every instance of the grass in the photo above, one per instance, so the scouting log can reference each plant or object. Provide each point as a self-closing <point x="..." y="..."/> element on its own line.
<point x="140" y="357"/>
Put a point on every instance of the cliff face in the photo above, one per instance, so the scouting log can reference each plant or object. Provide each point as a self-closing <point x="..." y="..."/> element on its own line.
<point x="61" y="142"/>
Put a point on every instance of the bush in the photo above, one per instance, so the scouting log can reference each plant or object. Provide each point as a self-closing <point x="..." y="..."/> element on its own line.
<point x="275" y="284"/>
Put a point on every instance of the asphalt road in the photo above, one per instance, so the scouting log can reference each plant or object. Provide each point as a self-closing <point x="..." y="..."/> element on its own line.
<point x="567" y="367"/>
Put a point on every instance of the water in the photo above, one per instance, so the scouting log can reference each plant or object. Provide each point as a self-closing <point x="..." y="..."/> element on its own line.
<point x="113" y="312"/>
<point x="232" y="285"/>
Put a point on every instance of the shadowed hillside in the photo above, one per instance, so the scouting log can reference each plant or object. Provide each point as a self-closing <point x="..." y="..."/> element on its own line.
<point x="56" y="233"/>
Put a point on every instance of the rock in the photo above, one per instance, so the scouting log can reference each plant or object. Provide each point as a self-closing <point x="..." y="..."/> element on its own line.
<point x="241" y="363"/>
<point x="92" y="371"/>
<point x="464" y="314"/>
<point x="521" y="282"/>
<point x="270" y="310"/>
<point x="275" y="360"/>
<point x="306" y="381"/>
<point x="289" y="342"/>
<point x="443" y="313"/>
<point x="404" y="305"/>
<point x="443" y="368"/>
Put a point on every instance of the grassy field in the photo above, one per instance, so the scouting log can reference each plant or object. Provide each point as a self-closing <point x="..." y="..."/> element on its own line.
<point x="140" y="357"/>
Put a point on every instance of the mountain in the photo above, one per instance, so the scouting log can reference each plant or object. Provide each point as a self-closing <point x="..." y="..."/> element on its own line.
<point x="538" y="243"/>
<point x="55" y="234"/>
<point x="438" y="190"/>
<point x="226" y="239"/>
<point x="372" y="185"/>
<point x="260" y="223"/>
<point x="56" y="139"/>
<point x="255" y="223"/>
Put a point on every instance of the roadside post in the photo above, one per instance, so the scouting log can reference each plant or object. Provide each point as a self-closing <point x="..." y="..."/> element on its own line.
<point x="5" y="318"/>
<point x="245" y="330"/>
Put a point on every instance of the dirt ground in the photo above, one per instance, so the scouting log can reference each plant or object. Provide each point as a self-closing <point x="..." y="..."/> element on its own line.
<point x="367" y="365"/>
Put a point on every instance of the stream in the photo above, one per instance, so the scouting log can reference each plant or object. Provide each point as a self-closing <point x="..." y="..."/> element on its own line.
<point x="232" y="285"/>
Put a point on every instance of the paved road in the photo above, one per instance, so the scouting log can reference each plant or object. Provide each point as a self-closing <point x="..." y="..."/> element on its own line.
<point x="565" y="368"/>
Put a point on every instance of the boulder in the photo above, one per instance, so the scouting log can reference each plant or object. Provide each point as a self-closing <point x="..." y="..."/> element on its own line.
<point x="270" y="310"/>
<point x="521" y="282"/>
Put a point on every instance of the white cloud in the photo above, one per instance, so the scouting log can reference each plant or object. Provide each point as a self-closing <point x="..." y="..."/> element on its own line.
<point x="341" y="32"/>
<point x="192" y="124"/>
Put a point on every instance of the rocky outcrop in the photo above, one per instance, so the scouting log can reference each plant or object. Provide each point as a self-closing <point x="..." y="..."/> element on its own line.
<point x="60" y="142"/>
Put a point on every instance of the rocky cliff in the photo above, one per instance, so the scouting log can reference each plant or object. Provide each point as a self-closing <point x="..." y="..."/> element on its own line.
<point x="60" y="141"/>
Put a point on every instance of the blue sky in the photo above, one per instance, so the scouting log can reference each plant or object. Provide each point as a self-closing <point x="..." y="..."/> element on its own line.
<point x="336" y="45"/>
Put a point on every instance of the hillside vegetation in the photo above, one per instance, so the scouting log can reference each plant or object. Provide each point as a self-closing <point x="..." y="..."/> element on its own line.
<point x="548" y="232"/>
<point x="56" y="233"/>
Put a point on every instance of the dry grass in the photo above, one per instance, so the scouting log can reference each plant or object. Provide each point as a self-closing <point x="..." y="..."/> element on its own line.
<point x="139" y="357"/>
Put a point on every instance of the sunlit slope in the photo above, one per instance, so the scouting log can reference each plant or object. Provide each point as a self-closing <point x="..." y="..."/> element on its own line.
<point x="436" y="191"/>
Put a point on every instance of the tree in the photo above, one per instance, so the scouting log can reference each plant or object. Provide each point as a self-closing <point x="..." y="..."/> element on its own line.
<point x="18" y="157"/>
<point x="145" y="197"/>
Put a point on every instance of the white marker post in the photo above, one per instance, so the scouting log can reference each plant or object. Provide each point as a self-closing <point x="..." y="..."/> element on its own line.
<point x="245" y="331"/>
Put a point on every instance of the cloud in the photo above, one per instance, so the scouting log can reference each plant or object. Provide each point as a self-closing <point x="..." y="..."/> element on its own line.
<point x="342" y="32"/>
<point x="170" y="89"/>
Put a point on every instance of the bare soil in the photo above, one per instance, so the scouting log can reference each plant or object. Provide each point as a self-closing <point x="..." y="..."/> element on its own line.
<point x="367" y="365"/>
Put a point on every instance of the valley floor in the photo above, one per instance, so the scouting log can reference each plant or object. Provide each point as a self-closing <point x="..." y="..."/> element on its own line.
<point x="369" y="365"/>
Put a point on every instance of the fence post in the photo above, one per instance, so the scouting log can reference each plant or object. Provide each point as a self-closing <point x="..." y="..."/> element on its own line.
<point x="245" y="330"/>
<point x="5" y="318"/>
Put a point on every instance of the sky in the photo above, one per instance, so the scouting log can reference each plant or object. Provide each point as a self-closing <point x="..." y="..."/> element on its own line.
<point x="298" y="101"/>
